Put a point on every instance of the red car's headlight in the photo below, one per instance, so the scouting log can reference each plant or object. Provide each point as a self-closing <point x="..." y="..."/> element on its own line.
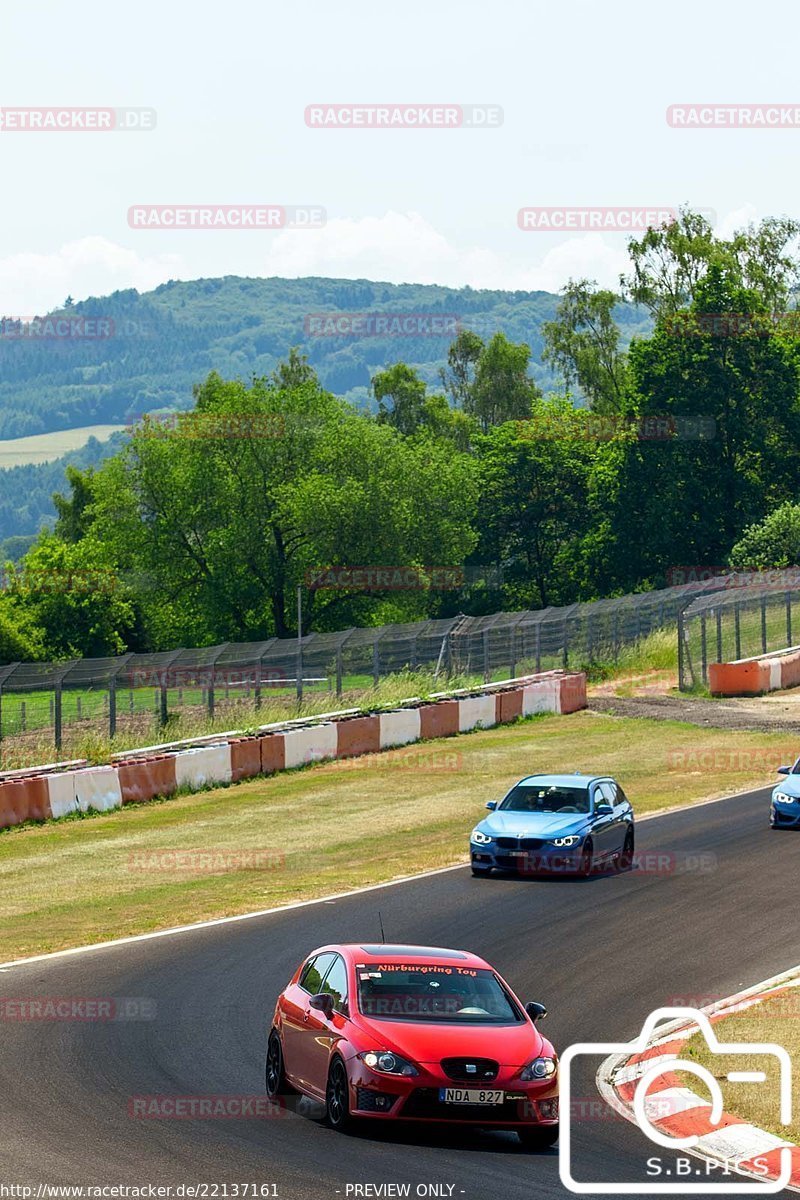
<point x="540" y="1068"/>
<point x="387" y="1062"/>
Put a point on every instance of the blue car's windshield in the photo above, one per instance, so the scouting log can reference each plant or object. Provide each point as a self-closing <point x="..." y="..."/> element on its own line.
<point x="546" y="798"/>
<point x="441" y="993"/>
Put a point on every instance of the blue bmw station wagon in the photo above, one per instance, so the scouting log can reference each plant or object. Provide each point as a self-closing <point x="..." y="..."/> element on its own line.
<point x="563" y="824"/>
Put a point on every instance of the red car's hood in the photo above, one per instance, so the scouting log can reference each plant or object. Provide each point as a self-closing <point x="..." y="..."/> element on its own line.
<point x="429" y="1042"/>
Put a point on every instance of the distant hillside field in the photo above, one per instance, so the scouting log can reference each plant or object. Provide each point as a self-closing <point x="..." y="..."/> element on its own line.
<point x="46" y="447"/>
<point x="126" y="354"/>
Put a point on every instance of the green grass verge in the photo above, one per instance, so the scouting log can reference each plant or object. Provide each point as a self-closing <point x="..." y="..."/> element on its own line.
<point x="334" y="826"/>
<point x="775" y="1021"/>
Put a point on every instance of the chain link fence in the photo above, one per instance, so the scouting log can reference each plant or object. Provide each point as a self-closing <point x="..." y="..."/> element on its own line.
<point x="742" y="616"/>
<point x="137" y="693"/>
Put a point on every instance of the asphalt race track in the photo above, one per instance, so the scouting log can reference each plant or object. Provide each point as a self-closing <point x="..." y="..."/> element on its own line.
<point x="600" y="953"/>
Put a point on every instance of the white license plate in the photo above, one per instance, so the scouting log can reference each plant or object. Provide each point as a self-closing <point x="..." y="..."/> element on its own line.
<point x="470" y="1096"/>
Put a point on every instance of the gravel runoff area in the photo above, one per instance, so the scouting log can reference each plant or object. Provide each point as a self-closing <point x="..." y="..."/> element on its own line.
<point x="755" y="714"/>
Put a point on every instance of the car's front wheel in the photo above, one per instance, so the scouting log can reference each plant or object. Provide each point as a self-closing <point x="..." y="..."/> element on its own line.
<point x="277" y="1084"/>
<point x="337" y="1098"/>
<point x="538" y="1137"/>
<point x="587" y="859"/>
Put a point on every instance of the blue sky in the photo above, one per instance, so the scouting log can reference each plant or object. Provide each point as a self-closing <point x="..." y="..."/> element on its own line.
<point x="584" y="89"/>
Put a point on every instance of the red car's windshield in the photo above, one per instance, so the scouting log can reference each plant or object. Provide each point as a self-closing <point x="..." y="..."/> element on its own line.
<point x="422" y="992"/>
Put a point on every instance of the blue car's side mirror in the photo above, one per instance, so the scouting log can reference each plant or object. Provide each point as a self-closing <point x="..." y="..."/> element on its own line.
<point x="781" y="771"/>
<point x="602" y="809"/>
<point x="491" y="805"/>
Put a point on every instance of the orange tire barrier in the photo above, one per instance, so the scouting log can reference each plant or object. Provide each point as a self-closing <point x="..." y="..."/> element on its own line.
<point x="572" y="690"/>
<point x="24" y="800"/>
<point x="509" y="706"/>
<point x="439" y="719"/>
<point x="245" y="758"/>
<point x="358" y="735"/>
<point x="790" y="670"/>
<point x="739" y="678"/>
<point x="145" y="778"/>
<point x="273" y="753"/>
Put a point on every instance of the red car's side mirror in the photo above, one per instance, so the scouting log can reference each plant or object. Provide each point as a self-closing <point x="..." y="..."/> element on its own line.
<point x="323" y="1002"/>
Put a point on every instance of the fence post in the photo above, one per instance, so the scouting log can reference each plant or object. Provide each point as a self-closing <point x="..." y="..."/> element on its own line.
<point x="680" y="650"/>
<point x="487" y="672"/>
<point x="376" y="662"/>
<point x="513" y="655"/>
<point x="566" y="645"/>
<point x="298" y="670"/>
<point x="538" y="647"/>
<point x="703" y="648"/>
<point x="616" y="632"/>
<point x="719" y="634"/>
<point x="162" y="703"/>
<point x="589" y="646"/>
<point x="788" y="619"/>
<point x="737" y="630"/>
<point x="57" y="715"/>
<point x="339" y="669"/>
<point x="764" y="624"/>
<point x="112" y="706"/>
<point x="210" y="695"/>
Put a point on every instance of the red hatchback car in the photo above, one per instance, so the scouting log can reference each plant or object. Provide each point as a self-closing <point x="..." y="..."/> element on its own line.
<point x="413" y="1033"/>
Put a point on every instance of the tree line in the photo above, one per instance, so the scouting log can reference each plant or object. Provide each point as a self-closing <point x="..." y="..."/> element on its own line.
<point x="680" y="449"/>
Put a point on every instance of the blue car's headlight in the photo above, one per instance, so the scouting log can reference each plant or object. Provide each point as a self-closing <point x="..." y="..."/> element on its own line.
<point x="572" y="840"/>
<point x="784" y="798"/>
<point x="480" y="839"/>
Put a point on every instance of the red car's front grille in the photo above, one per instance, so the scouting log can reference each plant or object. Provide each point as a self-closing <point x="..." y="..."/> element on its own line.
<point x="470" y="1070"/>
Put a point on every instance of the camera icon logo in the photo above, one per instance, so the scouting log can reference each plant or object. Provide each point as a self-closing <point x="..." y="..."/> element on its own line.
<point x="659" y="1025"/>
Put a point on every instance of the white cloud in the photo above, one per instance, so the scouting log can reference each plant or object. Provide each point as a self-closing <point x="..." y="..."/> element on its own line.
<point x="398" y="247"/>
<point x="732" y="222"/>
<point x="405" y="248"/>
<point x="32" y="284"/>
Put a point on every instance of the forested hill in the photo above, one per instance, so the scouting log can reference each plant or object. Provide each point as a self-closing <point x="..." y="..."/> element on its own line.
<point x="146" y="351"/>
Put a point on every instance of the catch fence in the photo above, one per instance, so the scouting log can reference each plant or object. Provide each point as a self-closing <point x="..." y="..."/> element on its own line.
<point x="137" y="692"/>
<point x="744" y="616"/>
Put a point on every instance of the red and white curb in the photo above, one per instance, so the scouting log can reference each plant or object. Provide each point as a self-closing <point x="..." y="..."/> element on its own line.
<point x="675" y="1111"/>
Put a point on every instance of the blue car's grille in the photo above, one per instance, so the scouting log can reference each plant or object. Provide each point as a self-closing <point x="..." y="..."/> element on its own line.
<point x="508" y="843"/>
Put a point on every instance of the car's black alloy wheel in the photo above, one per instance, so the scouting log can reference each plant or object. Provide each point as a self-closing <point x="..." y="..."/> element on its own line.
<point x="276" y="1079"/>
<point x="337" y="1097"/>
